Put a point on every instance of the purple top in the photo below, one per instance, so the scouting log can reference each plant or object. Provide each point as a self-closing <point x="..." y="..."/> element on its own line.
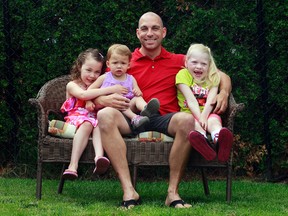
<point x="111" y="81"/>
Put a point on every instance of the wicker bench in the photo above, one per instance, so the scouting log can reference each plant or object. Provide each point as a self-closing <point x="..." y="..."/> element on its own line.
<point x="139" y="153"/>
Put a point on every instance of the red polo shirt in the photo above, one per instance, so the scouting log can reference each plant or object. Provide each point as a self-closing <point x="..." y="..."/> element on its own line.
<point x="156" y="78"/>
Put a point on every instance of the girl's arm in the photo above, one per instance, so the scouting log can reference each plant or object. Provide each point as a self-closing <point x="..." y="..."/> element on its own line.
<point x="208" y="108"/>
<point x="191" y="100"/>
<point x="111" y="89"/>
<point x="73" y="89"/>
<point x="98" y="82"/>
<point x="113" y="99"/>
<point x="136" y="89"/>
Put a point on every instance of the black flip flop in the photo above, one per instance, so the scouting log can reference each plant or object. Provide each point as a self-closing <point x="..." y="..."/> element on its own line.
<point x="132" y="202"/>
<point x="176" y="202"/>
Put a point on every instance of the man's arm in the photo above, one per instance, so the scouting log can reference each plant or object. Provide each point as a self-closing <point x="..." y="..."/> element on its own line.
<point x="115" y="100"/>
<point x="221" y="100"/>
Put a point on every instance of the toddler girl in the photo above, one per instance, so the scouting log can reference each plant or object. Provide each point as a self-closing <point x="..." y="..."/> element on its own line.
<point x="118" y="60"/>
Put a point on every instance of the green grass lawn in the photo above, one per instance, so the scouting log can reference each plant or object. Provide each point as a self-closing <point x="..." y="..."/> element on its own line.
<point x="103" y="197"/>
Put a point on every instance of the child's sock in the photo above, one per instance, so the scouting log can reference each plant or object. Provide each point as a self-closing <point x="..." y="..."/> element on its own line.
<point x="214" y="135"/>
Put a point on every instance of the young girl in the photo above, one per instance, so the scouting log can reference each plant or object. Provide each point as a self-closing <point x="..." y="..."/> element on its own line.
<point x="118" y="60"/>
<point x="85" y="70"/>
<point x="197" y="86"/>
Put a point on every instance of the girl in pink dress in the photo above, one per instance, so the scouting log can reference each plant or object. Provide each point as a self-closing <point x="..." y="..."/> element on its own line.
<point x="85" y="70"/>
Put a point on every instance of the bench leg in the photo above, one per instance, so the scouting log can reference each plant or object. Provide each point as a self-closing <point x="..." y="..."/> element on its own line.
<point x="134" y="180"/>
<point x="229" y="183"/>
<point x="39" y="180"/>
<point x="62" y="180"/>
<point x="205" y="182"/>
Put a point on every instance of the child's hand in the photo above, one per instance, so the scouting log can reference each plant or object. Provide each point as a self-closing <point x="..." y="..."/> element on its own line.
<point x="90" y="106"/>
<point x="120" y="89"/>
<point x="137" y="92"/>
<point x="203" y="122"/>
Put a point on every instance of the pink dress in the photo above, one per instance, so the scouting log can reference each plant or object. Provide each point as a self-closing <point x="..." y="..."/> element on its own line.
<point x="76" y="112"/>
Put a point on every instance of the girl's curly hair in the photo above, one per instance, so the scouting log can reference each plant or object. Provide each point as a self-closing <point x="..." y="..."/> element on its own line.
<point x="90" y="52"/>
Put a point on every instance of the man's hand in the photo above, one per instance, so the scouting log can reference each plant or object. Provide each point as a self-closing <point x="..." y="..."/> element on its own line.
<point x="220" y="102"/>
<point x="119" y="89"/>
<point x="115" y="100"/>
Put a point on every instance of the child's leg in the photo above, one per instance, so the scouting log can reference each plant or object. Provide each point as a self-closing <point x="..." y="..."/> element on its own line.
<point x="214" y="127"/>
<point x="147" y="109"/>
<point x="80" y="141"/>
<point x="137" y="104"/>
<point x="199" y="128"/>
<point x="97" y="144"/>
<point x="137" y="121"/>
<point x="129" y="113"/>
<point x="101" y="163"/>
<point x="221" y="136"/>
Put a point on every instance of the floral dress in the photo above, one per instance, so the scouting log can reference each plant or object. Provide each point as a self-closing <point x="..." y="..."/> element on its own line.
<point x="76" y="112"/>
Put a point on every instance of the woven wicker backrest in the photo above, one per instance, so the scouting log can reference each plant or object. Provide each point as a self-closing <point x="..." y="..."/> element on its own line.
<point x="49" y="100"/>
<point x="53" y="94"/>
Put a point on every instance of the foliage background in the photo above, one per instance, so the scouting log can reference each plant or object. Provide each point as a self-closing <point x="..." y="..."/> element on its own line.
<point x="41" y="39"/>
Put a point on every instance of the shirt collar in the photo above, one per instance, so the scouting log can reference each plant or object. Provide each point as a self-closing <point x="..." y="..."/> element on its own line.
<point x="163" y="55"/>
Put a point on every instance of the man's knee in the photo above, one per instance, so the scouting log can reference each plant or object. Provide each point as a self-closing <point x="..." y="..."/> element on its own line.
<point x="181" y="122"/>
<point x="105" y="117"/>
<point x="185" y="120"/>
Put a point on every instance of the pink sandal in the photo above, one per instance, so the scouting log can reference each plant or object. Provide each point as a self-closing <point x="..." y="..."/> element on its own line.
<point x="101" y="165"/>
<point x="70" y="174"/>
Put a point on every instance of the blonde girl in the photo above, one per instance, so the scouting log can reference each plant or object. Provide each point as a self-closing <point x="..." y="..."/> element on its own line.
<point x="197" y="86"/>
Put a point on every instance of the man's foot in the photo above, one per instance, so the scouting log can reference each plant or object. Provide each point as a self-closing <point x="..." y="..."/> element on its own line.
<point x="128" y="204"/>
<point x="151" y="108"/>
<point x="177" y="203"/>
<point x="130" y="199"/>
<point x="139" y="121"/>
<point x="201" y="144"/>
<point x="225" y="141"/>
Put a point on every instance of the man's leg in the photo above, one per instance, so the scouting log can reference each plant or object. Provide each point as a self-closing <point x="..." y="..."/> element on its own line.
<point x="112" y="124"/>
<point x="180" y="125"/>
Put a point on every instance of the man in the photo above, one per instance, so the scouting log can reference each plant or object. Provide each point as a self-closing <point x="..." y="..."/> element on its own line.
<point x="155" y="69"/>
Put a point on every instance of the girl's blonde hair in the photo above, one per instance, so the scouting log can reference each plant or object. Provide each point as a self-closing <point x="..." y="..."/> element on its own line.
<point x="119" y="49"/>
<point x="213" y="78"/>
<point x="76" y="67"/>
